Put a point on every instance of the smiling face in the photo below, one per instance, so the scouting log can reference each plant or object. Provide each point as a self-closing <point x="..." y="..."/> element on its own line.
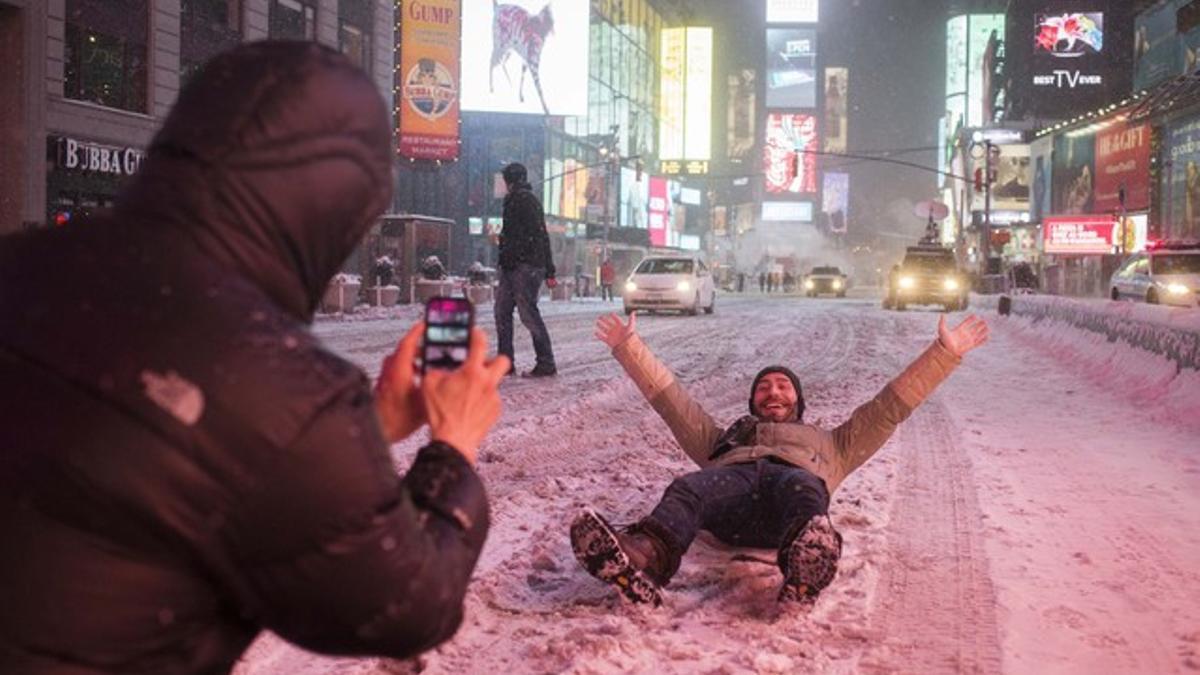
<point x="775" y="398"/>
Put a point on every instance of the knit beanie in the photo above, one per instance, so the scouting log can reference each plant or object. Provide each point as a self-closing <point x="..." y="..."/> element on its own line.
<point x="795" y="383"/>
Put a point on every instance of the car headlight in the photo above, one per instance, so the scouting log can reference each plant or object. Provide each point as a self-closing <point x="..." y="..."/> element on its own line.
<point x="907" y="282"/>
<point x="837" y="284"/>
<point x="630" y="286"/>
<point x="809" y="284"/>
<point x="683" y="286"/>
<point x="1178" y="289"/>
<point x="951" y="284"/>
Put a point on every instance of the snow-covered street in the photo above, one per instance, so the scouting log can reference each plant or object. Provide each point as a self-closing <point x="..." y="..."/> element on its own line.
<point x="1033" y="516"/>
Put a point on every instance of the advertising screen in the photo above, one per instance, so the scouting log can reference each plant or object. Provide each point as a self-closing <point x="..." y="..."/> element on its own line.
<point x="791" y="68"/>
<point x="1039" y="191"/>
<point x="836" y="120"/>
<point x="1183" y="175"/>
<point x="835" y="199"/>
<point x="685" y="93"/>
<point x="741" y="113"/>
<point x="1010" y="190"/>
<point x="1080" y="235"/>
<point x="793" y="11"/>
<point x="427" y="80"/>
<point x="1122" y="163"/>
<point x="1068" y="54"/>
<point x="1074" y="173"/>
<point x="525" y="56"/>
<point x="635" y="196"/>
<point x="980" y="30"/>
<point x="779" y="212"/>
<point x="658" y="211"/>
<point x="956" y="56"/>
<point x="788" y="160"/>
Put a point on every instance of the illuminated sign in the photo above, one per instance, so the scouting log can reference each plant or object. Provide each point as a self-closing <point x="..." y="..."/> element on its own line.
<point x="525" y="56"/>
<point x="658" y="211"/>
<point x="981" y="28"/>
<point x="793" y="11"/>
<point x="741" y="114"/>
<point x="675" y="167"/>
<point x="789" y="159"/>
<point x="836" y="119"/>
<point x="685" y="102"/>
<point x="1122" y="166"/>
<point x="791" y="68"/>
<point x="689" y="196"/>
<point x="835" y="199"/>
<point x="1067" y="49"/>
<point x="1078" y="235"/>
<point x="427" y="79"/>
<point x="634" y="197"/>
<point x="776" y="212"/>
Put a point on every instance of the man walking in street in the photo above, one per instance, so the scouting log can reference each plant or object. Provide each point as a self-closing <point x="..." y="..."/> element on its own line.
<point x="525" y="261"/>
<point x="765" y="481"/>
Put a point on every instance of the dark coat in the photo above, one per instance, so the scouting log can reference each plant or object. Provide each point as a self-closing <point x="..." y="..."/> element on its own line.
<point x="185" y="464"/>
<point x="523" y="240"/>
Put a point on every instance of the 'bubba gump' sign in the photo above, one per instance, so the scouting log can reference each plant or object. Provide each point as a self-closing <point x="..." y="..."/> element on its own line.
<point x="76" y="155"/>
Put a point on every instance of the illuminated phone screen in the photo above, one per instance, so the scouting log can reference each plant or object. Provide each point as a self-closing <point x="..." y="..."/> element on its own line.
<point x="447" y="333"/>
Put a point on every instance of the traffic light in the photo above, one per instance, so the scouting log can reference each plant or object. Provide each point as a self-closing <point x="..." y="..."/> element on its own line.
<point x="62" y="218"/>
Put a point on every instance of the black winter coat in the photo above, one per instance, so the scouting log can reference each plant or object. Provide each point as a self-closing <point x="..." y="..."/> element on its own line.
<point x="182" y="464"/>
<point x="523" y="239"/>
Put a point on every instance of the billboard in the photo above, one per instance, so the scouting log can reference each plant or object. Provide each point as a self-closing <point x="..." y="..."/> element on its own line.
<point x="836" y="120"/>
<point x="1156" y="47"/>
<point x="525" y="56"/>
<point x="789" y="162"/>
<point x="427" y="79"/>
<point x="835" y="200"/>
<point x="1010" y="190"/>
<point x="793" y="11"/>
<point x="791" y="68"/>
<point x="741" y="114"/>
<point x="1078" y="235"/>
<point x="1122" y="165"/>
<point x="1183" y="177"/>
<point x="1073" y="174"/>
<point x="781" y="212"/>
<point x="685" y="89"/>
<point x="658" y="211"/>
<point x="635" y="195"/>
<point x="1040" y="184"/>
<point x="1068" y="59"/>
<point x="981" y="29"/>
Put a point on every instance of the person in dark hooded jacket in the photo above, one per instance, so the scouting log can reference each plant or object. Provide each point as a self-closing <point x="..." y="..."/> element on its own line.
<point x="184" y="464"/>
<point x="765" y="481"/>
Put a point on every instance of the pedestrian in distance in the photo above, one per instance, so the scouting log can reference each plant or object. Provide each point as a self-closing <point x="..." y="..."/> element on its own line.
<point x="608" y="276"/>
<point x="525" y="262"/>
<point x="764" y="481"/>
<point x="186" y="465"/>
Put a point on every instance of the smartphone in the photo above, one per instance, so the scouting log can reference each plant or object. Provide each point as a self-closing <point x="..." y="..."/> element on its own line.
<point x="448" y="323"/>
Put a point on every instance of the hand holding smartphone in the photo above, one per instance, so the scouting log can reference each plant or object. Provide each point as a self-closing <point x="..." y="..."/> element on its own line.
<point x="448" y="324"/>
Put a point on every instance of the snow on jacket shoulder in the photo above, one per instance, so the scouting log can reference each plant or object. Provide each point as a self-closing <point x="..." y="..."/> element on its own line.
<point x="830" y="454"/>
<point x="185" y="464"/>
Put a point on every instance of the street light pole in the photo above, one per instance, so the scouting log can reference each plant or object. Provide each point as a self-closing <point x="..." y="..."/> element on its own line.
<point x="986" y="243"/>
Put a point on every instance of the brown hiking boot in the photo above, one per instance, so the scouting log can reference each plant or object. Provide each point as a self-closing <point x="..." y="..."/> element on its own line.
<point x="627" y="560"/>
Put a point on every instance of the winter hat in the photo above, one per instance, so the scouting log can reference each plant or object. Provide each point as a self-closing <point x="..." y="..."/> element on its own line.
<point x="515" y="173"/>
<point x="795" y="383"/>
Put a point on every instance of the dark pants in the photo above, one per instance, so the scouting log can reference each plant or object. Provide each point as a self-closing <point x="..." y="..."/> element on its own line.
<point x="759" y="505"/>
<point x="606" y="292"/>
<point x="520" y="288"/>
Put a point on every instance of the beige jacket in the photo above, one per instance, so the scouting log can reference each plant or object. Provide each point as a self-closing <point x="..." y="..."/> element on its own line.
<point x="831" y="455"/>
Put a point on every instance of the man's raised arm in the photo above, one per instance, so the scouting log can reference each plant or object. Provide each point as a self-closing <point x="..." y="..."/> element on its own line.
<point x="692" y="427"/>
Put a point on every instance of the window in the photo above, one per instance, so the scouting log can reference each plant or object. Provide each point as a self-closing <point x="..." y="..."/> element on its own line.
<point x="665" y="266"/>
<point x="354" y="36"/>
<point x="105" y="53"/>
<point x="1177" y="263"/>
<point x="207" y="28"/>
<point x="292" y="20"/>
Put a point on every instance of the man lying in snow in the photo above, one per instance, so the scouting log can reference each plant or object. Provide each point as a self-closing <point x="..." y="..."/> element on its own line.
<point x="764" y="482"/>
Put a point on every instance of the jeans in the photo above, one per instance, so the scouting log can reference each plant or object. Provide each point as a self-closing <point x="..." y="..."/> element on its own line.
<point x="520" y="288"/>
<point x="606" y="292"/>
<point x="757" y="505"/>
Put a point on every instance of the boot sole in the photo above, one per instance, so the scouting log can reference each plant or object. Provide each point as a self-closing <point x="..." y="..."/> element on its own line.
<point x="598" y="550"/>
<point x="811" y="561"/>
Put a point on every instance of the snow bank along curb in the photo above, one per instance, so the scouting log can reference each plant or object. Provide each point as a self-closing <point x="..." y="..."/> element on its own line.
<point x="1170" y="332"/>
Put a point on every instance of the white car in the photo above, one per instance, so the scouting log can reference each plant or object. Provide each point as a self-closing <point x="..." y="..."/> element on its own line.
<point x="829" y="280"/>
<point x="680" y="283"/>
<point x="1168" y="274"/>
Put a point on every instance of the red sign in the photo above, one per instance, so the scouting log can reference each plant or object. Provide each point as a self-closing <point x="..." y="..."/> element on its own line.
<point x="659" y="209"/>
<point x="1078" y="235"/>
<point x="1123" y="159"/>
